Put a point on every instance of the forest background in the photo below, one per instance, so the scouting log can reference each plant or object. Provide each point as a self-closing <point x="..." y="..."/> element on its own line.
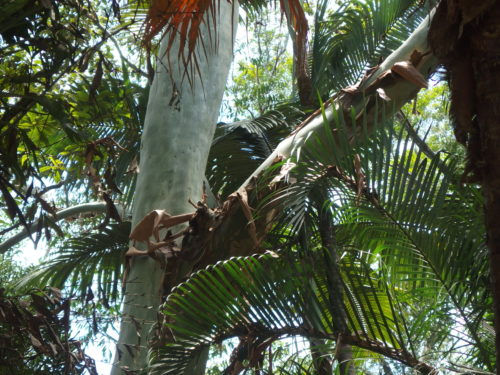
<point x="366" y="241"/>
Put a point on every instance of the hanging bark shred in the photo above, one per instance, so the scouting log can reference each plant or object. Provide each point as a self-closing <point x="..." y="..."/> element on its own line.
<point x="409" y="72"/>
<point x="242" y="196"/>
<point x="383" y="95"/>
<point x="96" y="81"/>
<point x="134" y="166"/>
<point x="284" y="173"/>
<point x="91" y="152"/>
<point x="154" y="222"/>
<point x="103" y="189"/>
<point x="298" y="21"/>
<point x="197" y="248"/>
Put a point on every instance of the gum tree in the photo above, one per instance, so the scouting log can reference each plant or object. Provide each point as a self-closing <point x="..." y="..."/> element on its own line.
<point x="182" y="110"/>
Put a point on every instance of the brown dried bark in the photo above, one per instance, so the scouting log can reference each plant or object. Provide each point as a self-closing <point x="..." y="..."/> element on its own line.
<point x="465" y="35"/>
<point x="485" y="50"/>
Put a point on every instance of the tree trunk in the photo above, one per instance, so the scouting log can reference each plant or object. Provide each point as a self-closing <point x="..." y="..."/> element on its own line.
<point x="343" y="352"/>
<point x="465" y="36"/>
<point x="321" y="359"/>
<point x="485" y="50"/>
<point x="178" y="131"/>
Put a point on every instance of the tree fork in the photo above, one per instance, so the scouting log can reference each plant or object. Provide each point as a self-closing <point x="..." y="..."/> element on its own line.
<point x="237" y="234"/>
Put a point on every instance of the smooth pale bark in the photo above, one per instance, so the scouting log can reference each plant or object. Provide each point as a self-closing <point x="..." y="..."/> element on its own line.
<point x="85" y="208"/>
<point x="178" y="131"/>
<point x="400" y="92"/>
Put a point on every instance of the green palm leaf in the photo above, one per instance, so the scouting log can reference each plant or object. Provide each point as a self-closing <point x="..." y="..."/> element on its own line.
<point x="271" y="296"/>
<point x="239" y="148"/>
<point x="409" y="218"/>
<point x="87" y="262"/>
<point x="356" y="36"/>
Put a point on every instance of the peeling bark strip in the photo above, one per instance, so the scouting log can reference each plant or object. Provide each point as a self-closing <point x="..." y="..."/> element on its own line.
<point x="465" y="36"/>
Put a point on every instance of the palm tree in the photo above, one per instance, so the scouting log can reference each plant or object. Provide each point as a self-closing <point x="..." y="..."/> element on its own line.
<point x="363" y="41"/>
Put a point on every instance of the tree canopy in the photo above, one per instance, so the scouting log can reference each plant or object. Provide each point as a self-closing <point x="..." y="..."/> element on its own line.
<point x="336" y="205"/>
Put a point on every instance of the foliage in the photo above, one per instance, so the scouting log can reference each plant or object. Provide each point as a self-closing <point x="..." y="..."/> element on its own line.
<point x="258" y="300"/>
<point x="63" y="91"/>
<point x="408" y="239"/>
<point x="354" y="37"/>
<point x="35" y="336"/>
<point x="409" y="273"/>
<point x="263" y="69"/>
<point x="436" y="123"/>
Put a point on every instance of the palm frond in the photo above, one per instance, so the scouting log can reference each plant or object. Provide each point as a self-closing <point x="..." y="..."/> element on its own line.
<point x="356" y="36"/>
<point x="406" y="213"/>
<point x="269" y="296"/>
<point x="239" y="148"/>
<point x="87" y="262"/>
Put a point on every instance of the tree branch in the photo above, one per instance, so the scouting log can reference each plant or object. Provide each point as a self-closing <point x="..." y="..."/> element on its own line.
<point x="98" y="207"/>
<point x="399" y="355"/>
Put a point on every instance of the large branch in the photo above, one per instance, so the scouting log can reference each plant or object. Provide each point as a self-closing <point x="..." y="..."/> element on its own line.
<point x="399" y="90"/>
<point x="97" y="207"/>
<point x="234" y="235"/>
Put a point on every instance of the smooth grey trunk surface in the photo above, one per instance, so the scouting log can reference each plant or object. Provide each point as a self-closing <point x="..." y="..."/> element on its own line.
<point x="178" y="131"/>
